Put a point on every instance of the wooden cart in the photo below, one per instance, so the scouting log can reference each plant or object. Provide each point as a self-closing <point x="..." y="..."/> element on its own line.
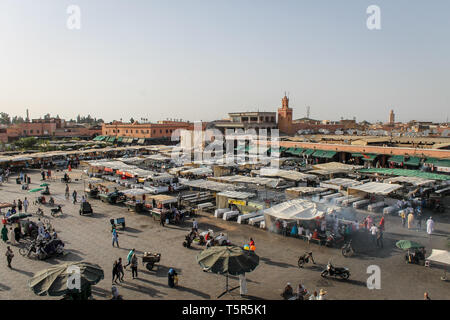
<point x="149" y="259"/>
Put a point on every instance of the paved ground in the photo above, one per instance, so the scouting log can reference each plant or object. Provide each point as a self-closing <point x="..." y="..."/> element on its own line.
<point x="89" y="239"/>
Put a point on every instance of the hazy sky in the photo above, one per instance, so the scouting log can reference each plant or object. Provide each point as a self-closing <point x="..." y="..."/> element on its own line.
<point x="199" y="59"/>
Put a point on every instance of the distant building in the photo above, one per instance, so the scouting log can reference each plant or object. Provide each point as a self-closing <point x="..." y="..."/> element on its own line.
<point x="48" y="128"/>
<point x="248" y="120"/>
<point x="162" y="129"/>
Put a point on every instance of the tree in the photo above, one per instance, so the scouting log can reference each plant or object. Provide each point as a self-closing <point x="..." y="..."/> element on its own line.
<point x="26" y="143"/>
<point x="131" y="120"/>
<point x="4" y="118"/>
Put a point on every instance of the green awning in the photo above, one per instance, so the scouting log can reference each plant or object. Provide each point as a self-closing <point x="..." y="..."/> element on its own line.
<point x="413" y="161"/>
<point x="357" y="155"/>
<point x="308" y="152"/>
<point x="443" y="163"/>
<point x="369" y="156"/>
<point x="397" y="159"/>
<point x="141" y="141"/>
<point x="431" y="161"/>
<point x="290" y="150"/>
<point x="111" y="139"/>
<point x="298" y="151"/>
<point x="119" y="139"/>
<point x="317" y="153"/>
<point x="99" y="138"/>
<point x="328" y="154"/>
<point x="407" y="173"/>
<point x="282" y="149"/>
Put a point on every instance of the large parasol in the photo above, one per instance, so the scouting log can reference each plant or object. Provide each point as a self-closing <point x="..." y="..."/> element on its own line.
<point x="408" y="244"/>
<point x="61" y="279"/>
<point x="227" y="260"/>
<point x="35" y="190"/>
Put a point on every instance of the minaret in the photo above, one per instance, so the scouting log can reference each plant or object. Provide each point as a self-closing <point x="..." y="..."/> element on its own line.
<point x="28" y="117"/>
<point x="392" y="117"/>
<point x="285" y="116"/>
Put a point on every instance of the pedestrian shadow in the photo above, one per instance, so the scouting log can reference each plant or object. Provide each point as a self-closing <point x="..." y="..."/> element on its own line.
<point x="194" y="292"/>
<point x="142" y="289"/>
<point x="131" y="230"/>
<point x="247" y="297"/>
<point x="100" y="292"/>
<point x="28" y="274"/>
<point x="276" y="263"/>
<point x="4" y="287"/>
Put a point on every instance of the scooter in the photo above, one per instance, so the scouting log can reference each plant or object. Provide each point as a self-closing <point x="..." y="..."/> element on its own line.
<point x="343" y="273"/>
<point x="54" y="211"/>
<point x="305" y="259"/>
<point x="334" y="240"/>
<point x="347" y="249"/>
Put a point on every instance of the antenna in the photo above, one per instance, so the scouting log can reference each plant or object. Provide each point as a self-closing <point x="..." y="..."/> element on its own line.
<point x="308" y="111"/>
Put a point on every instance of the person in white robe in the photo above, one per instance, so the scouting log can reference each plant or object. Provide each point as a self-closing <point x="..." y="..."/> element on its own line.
<point x="430" y="226"/>
<point x="243" y="284"/>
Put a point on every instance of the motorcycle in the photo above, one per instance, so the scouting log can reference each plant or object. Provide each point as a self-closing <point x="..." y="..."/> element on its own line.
<point x="305" y="259"/>
<point x="334" y="240"/>
<point x="331" y="270"/>
<point x="55" y="211"/>
<point x="347" y="249"/>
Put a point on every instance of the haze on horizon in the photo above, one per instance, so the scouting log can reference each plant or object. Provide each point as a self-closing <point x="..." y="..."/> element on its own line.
<point x="200" y="59"/>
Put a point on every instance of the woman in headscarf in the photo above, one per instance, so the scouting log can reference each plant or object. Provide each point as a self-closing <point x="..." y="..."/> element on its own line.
<point x="4" y="234"/>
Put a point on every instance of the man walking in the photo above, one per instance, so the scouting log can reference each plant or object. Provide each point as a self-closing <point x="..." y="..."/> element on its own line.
<point x="115" y="237"/>
<point x="74" y="196"/>
<point x="9" y="255"/>
<point x="380" y="238"/>
<point x="419" y="220"/>
<point x="134" y="266"/>
<point x="114" y="272"/>
<point x="373" y="231"/>
<point x="195" y="225"/>
<point x="403" y="216"/>
<point x="430" y="226"/>
<point x="25" y="204"/>
<point x="67" y="191"/>
<point x="120" y="272"/>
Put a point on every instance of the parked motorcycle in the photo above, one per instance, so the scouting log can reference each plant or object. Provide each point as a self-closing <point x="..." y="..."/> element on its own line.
<point x="334" y="240"/>
<point x="347" y="249"/>
<point x="331" y="270"/>
<point x="55" y="211"/>
<point x="305" y="259"/>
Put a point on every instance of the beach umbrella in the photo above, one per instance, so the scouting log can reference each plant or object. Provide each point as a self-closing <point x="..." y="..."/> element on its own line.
<point x="227" y="260"/>
<point x="18" y="216"/>
<point x="44" y="185"/>
<point x="60" y="279"/>
<point x="408" y="244"/>
<point x="35" y="190"/>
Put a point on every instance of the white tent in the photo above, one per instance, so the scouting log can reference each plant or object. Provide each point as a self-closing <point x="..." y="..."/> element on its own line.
<point x="441" y="256"/>
<point x="377" y="188"/>
<point x="298" y="209"/>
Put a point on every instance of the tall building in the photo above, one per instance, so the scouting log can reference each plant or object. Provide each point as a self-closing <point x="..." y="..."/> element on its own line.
<point x="285" y="116"/>
<point x="392" y="117"/>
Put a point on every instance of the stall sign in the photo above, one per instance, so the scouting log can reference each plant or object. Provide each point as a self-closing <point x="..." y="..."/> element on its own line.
<point x="237" y="202"/>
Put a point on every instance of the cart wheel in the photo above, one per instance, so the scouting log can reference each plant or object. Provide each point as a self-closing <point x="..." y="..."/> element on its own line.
<point x="149" y="265"/>
<point x="23" y="251"/>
